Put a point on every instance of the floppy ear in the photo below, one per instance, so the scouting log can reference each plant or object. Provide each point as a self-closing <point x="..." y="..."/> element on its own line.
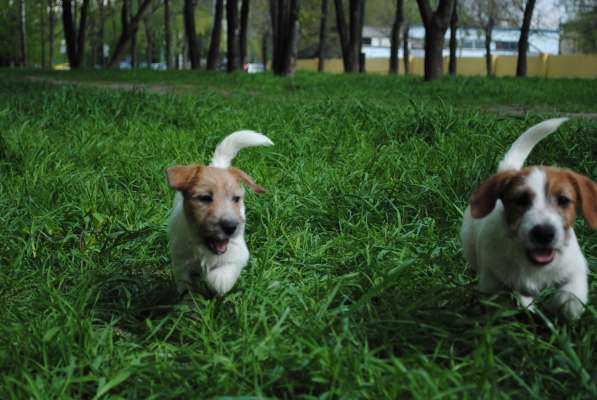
<point x="181" y="177"/>
<point x="484" y="198"/>
<point x="586" y="190"/>
<point x="242" y="176"/>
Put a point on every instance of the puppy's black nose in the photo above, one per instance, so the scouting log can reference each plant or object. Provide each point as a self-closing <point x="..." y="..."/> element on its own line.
<point x="228" y="226"/>
<point x="543" y="234"/>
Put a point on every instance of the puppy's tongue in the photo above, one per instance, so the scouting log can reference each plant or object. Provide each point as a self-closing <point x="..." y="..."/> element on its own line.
<point x="542" y="256"/>
<point x="219" y="246"/>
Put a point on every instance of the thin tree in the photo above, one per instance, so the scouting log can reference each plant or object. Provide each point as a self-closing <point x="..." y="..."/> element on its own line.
<point x="406" y="49"/>
<point x="351" y="34"/>
<point x="216" y="33"/>
<point x="395" y="36"/>
<point x="284" y="17"/>
<point x="436" y="24"/>
<point x="232" y="34"/>
<point x="191" y="33"/>
<point x="167" y="34"/>
<point x="486" y="14"/>
<point x="23" y="33"/>
<point x="42" y="31"/>
<point x="149" y="37"/>
<point x="321" y="52"/>
<point x="453" y="42"/>
<point x="126" y="34"/>
<point x="101" y="33"/>
<point x="51" y="24"/>
<point x="244" y="30"/>
<point x="523" y="41"/>
<point x="264" y="49"/>
<point x="343" y="35"/>
<point x="74" y="38"/>
<point x="134" y="47"/>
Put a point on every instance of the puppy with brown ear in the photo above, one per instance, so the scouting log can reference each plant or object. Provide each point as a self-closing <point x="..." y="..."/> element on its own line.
<point x="207" y="222"/>
<point x="517" y="231"/>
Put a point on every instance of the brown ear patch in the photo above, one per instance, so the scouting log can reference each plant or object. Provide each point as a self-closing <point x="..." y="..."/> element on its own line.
<point x="181" y="177"/>
<point x="587" y="193"/>
<point x="241" y="175"/>
<point x="483" y="200"/>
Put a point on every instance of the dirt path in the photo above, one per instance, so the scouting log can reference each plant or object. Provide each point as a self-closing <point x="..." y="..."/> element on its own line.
<point x="190" y="89"/>
<point x="152" y="88"/>
<point x="519" y="111"/>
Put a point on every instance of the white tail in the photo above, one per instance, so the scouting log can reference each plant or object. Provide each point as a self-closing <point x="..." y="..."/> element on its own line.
<point x="522" y="147"/>
<point x="231" y="145"/>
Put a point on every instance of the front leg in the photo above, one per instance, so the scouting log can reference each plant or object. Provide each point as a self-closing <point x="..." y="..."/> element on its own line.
<point x="488" y="283"/>
<point x="570" y="299"/>
<point x="222" y="278"/>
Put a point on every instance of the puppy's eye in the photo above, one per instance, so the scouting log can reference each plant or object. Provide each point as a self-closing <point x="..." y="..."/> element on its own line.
<point x="204" y="198"/>
<point x="522" y="200"/>
<point x="236" y="199"/>
<point x="563" y="201"/>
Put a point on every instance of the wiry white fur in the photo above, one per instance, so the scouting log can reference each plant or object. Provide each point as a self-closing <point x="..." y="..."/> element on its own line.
<point x="522" y="147"/>
<point x="190" y="255"/>
<point x="233" y="143"/>
<point x="191" y="258"/>
<point x="499" y="255"/>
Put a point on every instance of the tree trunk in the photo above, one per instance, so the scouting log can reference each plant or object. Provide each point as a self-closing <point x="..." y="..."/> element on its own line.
<point x="191" y="33"/>
<point x="343" y="34"/>
<point x="216" y="32"/>
<point x="322" y="36"/>
<point x="351" y="35"/>
<point x="395" y="36"/>
<point x="434" y="44"/>
<point x="232" y="34"/>
<point x="293" y="37"/>
<point x="69" y="34"/>
<point x="51" y="23"/>
<point x="81" y="33"/>
<point x="42" y="32"/>
<point x="244" y="30"/>
<point x="94" y="46"/>
<point x="523" y="42"/>
<point x="264" y="41"/>
<point x="488" y="38"/>
<point x="126" y="34"/>
<point x="284" y="17"/>
<point x="149" y="39"/>
<point x="453" y="42"/>
<point x="23" y="32"/>
<point x="355" y="25"/>
<point x="167" y="34"/>
<point x="101" y="34"/>
<point x="436" y="23"/>
<point x="134" y="50"/>
<point x="405" y="49"/>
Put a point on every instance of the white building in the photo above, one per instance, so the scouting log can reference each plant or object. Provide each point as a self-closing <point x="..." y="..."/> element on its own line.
<point x="471" y="42"/>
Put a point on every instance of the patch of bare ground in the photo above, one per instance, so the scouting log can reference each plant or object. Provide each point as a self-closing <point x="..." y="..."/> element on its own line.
<point x="521" y="111"/>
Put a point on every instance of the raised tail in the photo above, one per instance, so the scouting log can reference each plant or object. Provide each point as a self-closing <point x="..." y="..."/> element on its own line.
<point x="231" y="145"/>
<point x="522" y="147"/>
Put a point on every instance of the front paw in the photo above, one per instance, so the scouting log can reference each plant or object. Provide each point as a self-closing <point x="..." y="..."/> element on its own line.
<point x="567" y="305"/>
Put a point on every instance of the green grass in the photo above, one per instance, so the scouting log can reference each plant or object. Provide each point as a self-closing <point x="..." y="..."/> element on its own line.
<point x="356" y="286"/>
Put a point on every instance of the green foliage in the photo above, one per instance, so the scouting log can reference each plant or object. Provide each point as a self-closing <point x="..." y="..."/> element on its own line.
<point x="584" y="29"/>
<point x="356" y="287"/>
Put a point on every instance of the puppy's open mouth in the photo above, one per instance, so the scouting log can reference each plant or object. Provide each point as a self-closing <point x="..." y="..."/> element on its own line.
<point x="541" y="256"/>
<point x="218" y="246"/>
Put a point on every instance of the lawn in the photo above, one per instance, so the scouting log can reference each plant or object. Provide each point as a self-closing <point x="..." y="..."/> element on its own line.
<point x="356" y="286"/>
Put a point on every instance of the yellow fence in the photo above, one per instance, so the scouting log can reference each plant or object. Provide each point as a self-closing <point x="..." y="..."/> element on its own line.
<point x="565" y="66"/>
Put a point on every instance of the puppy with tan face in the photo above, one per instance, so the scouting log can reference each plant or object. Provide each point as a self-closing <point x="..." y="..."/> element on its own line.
<point x="518" y="229"/>
<point x="206" y="226"/>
